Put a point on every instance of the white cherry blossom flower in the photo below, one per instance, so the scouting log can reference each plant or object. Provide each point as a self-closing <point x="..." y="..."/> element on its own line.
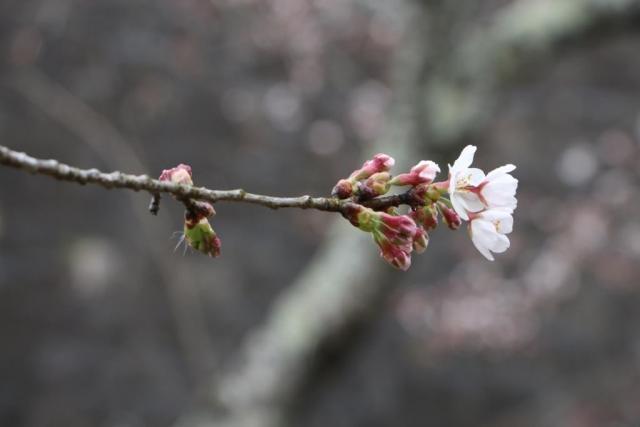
<point x="488" y="230"/>
<point x="472" y="191"/>
<point x="463" y="179"/>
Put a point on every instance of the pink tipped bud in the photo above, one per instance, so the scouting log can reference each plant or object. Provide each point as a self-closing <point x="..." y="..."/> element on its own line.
<point x="197" y="212"/>
<point x="394" y="234"/>
<point x="426" y="193"/>
<point x="398" y="229"/>
<point x="379" y="163"/>
<point x="426" y="216"/>
<point x="204" y="209"/>
<point x="343" y="189"/>
<point x="395" y="256"/>
<point x="422" y="173"/>
<point x="420" y="240"/>
<point x="451" y="217"/>
<point x="181" y="174"/>
<point x="374" y="186"/>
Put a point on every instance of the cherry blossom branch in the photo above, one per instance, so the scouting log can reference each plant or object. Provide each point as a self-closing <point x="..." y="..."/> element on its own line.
<point x="184" y="193"/>
<point x="487" y="202"/>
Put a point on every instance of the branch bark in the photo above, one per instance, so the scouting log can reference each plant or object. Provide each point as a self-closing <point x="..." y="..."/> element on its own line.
<point x="185" y="193"/>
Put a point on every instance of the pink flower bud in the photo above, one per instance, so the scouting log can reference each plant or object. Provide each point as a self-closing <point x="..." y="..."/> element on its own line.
<point x="420" y="240"/>
<point x="426" y="216"/>
<point x="379" y="163"/>
<point x="451" y="217"/>
<point x="398" y="229"/>
<point x="343" y="189"/>
<point x="395" y="255"/>
<point x="394" y="234"/>
<point x="199" y="210"/>
<point x="374" y="186"/>
<point x="422" y="173"/>
<point x="181" y="174"/>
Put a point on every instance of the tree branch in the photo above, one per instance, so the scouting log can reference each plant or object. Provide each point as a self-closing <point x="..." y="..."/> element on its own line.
<point x="184" y="193"/>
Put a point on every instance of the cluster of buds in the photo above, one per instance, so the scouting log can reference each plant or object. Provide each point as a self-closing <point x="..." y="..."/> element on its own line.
<point x="396" y="235"/>
<point x="198" y="232"/>
<point x="486" y="201"/>
<point x="371" y="180"/>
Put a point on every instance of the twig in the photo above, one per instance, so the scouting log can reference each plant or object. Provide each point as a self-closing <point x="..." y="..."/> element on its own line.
<point x="182" y="192"/>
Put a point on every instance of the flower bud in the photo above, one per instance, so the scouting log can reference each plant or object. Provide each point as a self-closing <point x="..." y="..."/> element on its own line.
<point x="451" y="217"/>
<point x="374" y="186"/>
<point x="201" y="210"/>
<point x="420" y="240"/>
<point x="363" y="218"/>
<point x="181" y="174"/>
<point x="395" y="256"/>
<point x="201" y="237"/>
<point x="426" y="216"/>
<point x="425" y="194"/>
<point x="392" y="210"/>
<point x="422" y="173"/>
<point x="343" y="189"/>
<point x="398" y="229"/>
<point x="394" y="234"/>
<point x="379" y="163"/>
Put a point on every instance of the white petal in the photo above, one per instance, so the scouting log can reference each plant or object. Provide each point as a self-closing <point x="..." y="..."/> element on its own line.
<point x="501" y="191"/>
<point x="476" y="176"/>
<point x="501" y="244"/>
<point x="502" y="179"/>
<point x="506" y="225"/>
<point x="458" y="205"/>
<point x="480" y="236"/>
<point x="501" y="171"/>
<point x="470" y="201"/>
<point x="452" y="180"/>
<point x="484" y="235"/>
<point x="465" y="159"/>
<point x="501" y="220"/>
<point x="484" y="251"/>
<point x="425" y="164"/>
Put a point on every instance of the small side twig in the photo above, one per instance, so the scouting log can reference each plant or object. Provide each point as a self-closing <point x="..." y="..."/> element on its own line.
<point x="154" y="204"/>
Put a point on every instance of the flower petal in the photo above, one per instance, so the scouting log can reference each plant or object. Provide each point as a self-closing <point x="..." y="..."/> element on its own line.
<point x="471" y="202"/>
<point x="502" y="170"/>
<point x="465" y="159"/>
<point x="458" y="205"/>
<point x="478" y="238"/>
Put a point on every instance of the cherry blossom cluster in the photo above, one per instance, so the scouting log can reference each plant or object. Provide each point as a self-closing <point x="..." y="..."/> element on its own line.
<point x="486" y="201"/>
<point x="198" y="232"/>
<point x="399" y="221"/>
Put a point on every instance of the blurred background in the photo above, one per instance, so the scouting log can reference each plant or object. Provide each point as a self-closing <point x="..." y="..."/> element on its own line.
<point x="299" y="322"/>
